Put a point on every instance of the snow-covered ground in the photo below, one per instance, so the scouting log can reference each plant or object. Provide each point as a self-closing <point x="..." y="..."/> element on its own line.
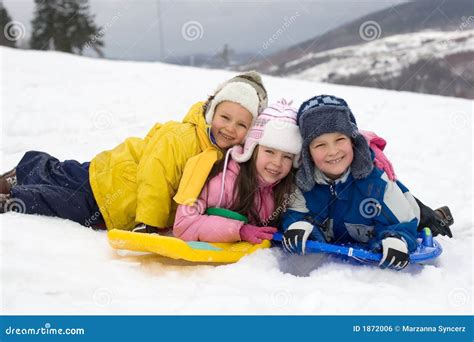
<point x="384" y="57"/>
<point x="75" y="107"/>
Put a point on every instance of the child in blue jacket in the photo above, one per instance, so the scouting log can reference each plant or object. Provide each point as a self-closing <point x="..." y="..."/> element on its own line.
<point x="342" y="197"/>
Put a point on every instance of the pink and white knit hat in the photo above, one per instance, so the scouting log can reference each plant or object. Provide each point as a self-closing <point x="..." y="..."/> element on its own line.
<point x="275" y="127"/>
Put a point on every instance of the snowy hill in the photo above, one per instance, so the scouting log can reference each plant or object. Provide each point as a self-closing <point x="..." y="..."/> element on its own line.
<point x="420" y="46"/>
<point x="393" y="61"/>
<point x="404" y="18"/>
<point x="75" y="107"/>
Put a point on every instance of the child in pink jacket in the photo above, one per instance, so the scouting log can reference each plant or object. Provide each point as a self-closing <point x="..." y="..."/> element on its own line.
<point x="255" y="182"/>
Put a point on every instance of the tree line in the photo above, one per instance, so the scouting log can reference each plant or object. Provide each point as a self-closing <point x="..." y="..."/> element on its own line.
<point x="61" y="25"/>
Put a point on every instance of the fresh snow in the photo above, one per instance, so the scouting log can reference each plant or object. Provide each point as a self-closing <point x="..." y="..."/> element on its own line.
<point x="74" y="107"/>
<point x="384" y="57"/>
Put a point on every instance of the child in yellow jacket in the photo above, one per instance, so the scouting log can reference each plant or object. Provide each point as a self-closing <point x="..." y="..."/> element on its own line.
<point x="135" y="182"/>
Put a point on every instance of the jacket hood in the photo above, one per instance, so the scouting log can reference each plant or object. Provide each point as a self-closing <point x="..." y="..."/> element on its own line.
<point x="195" y="116"/>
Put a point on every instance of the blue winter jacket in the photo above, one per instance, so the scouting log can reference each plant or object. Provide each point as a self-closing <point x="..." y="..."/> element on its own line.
<point x="356" y="210"/>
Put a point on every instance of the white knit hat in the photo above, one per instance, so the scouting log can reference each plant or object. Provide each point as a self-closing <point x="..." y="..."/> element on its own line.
<point x="238" y="92"/>
<point x="246" y="89"/>
<point x="275" y="128"/>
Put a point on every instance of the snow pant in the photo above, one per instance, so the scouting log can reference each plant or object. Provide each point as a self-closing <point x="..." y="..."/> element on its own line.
<point x="46" y="186"/>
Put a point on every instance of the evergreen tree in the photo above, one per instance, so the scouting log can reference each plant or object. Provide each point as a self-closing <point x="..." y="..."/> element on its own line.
<point x="225" y="54"/>
<point x="6" y="38"/>
<point x="65" y="25"/>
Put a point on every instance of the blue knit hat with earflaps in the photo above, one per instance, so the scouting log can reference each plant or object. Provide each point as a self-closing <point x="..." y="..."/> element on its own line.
<point x="328" y="114"/>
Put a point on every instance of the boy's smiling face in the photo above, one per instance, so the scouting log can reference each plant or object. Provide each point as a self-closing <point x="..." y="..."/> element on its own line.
<point x="332" y="153"/>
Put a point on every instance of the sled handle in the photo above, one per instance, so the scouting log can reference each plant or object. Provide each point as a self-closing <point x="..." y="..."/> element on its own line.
<point x="427" y="249"/>
<point x="316" y="247"/>
<point x="426" y="237"/>
<point x="227" y="213"/>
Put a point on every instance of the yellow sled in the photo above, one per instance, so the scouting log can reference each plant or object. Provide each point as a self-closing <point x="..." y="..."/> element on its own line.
<point x="175" y="248"/>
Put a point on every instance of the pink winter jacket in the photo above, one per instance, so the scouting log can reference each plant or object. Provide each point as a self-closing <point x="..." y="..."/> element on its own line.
<point x="192" y="224"/>
<point x="377" y="144"/>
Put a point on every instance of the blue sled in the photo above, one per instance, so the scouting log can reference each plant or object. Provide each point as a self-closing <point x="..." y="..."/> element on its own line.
<point x="427" y="249"/>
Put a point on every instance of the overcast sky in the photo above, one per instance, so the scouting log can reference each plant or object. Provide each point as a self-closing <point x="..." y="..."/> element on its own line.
<point x="204" y="26"/>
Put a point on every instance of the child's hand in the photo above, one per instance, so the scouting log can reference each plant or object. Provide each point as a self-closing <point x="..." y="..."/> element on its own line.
<point x="294" y="239"/>
<point x="395" y="254"/>
<point x="437" y="220"/>
<point x="254" y="234"/>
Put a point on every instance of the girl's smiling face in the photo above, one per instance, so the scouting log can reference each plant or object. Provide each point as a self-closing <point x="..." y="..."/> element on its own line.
<point x="230" y="124"/>
<point x="273" y="165"/>
<point x="332" y="153"/>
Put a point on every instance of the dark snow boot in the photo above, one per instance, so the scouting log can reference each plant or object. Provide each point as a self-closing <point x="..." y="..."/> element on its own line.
<point x="7" y="181"/>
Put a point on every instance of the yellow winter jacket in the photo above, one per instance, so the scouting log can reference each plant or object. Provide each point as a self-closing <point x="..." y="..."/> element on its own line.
<point x="136" y="181"/>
